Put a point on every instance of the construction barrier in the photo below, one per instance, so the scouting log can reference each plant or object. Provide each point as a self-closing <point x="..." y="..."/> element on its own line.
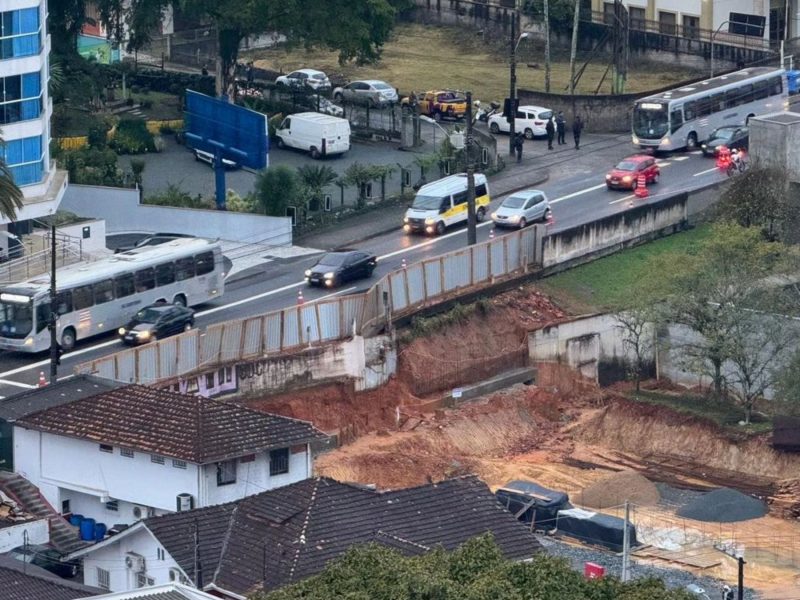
<point x="73" y="143"/>
<point x="154" y="127"/>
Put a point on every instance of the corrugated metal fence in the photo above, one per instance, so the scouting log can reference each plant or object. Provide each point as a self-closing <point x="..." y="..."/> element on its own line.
<point x="397" y="294"/>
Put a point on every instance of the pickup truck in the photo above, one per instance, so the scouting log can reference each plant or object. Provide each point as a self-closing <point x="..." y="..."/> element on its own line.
<point x="445" y="104"/>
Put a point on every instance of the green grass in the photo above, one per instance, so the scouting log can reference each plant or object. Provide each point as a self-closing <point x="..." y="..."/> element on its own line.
<point x="724" y="414"/>
<point x="606" y="283"/>
<point x="164" y="107"/>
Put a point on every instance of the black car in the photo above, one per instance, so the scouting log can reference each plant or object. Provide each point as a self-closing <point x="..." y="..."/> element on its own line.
<point x="47" y="558"/>
<point x="337" y="267"/>
<point x="152" y="240"/>
<point x="157" y="321"/>
<point x="732" y="136"/>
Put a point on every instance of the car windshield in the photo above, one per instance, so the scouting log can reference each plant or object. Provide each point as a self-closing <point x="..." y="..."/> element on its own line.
<point x="148" y="315"/>
<point x="333" y="260"/>
<point x="427" y="202"/>
<point x="545" y="114"/>
<point x="650" y="120"/>
<point x="514" y="202"/>
<point x="16" y="320"/>
<point x="627" y="165"/>
<point x="723" y="133"/>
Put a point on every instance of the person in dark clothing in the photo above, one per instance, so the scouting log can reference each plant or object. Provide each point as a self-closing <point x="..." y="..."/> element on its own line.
<point x="550" y="128"/>
<point x="519" y="140"/>
<point x="561" y="127"/>
<point x="577" y="128"/>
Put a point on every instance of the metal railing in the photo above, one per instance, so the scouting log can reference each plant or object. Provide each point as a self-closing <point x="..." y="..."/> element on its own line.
<point x="68" y="251"/>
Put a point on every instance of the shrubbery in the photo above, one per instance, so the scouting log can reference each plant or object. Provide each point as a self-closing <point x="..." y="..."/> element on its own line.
<point x="132" y="137"/>
<point x="92" y="166"/>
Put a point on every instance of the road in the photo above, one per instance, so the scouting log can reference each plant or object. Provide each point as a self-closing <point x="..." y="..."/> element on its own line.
<point x="577" y="192"/>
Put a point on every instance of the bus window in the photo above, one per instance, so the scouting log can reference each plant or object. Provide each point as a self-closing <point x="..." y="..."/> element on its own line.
<point x="64" y="302"/>
<point x="103" y="291"/>
<point x="204" y="263"/>
<point x="746" y="94"/>
<point x="82" y="297"/>
<point x="776" y="85"/>
<point x="123" y="285"/>
<point x="731" y="98"/>
<point x="676" y="119"/>
<point x="145" y="280"/>
<point x="165" y="274"/>
<point x="690" y="110"/>
<point x="42" y="316"/>
<point x="184" y="268"/>
<point x="717" y="102"/>
<point x="480" y="190"/>
<point x="761" y="89"/>
<point x="460" y="198"/>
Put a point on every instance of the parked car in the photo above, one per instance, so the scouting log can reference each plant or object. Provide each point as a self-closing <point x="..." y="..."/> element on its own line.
<point x="521" y="209"/>
<point x="322" y="105"/>
<point x="47" y="558"/>
<point x="316" y="80"/>
<point x="152" y="240"/>
<point x="338" y="267"/>
<point x="157" y="321"/>
<point x="732" y="136"/>
<point x="626" y="174"/>
<point x="319" y="135"/>
<point x="445" y="104"/>
<point x="207" y="157"/>
<point x="369" y="91"/>
<point x="529" y="120"/>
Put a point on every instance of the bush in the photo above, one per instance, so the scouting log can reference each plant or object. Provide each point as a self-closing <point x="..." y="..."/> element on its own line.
<point x="236" y="203"/>
<point x="98" y="135"/>
<point x="272" y="124"/>
<point x="92" y="166"/>
<point x="132" y="137"/>
<point x="174" y="196"/>
<point x="276" y="188"/>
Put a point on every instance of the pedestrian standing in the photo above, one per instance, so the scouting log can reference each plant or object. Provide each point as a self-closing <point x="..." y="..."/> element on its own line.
<point x="577" y="128"/>
<point x="519" y="140"/>
<point x="550" y="128"/>
<point x="561" y="127"/>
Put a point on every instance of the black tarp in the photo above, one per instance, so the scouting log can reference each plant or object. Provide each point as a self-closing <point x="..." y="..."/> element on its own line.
<point x="594" y="528"/>
<point x="516" y="495"/>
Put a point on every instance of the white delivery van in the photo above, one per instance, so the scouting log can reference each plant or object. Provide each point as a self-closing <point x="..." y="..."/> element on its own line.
<point x="318" y="134"/>
<point x="443" y="203"/>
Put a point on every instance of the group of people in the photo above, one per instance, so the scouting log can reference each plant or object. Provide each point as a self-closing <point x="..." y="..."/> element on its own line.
<point x="556" y="127"/>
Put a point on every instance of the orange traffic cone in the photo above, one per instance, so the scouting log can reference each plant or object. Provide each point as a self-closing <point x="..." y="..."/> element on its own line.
<point x="641" y="187"/>
<point x="300" y="299"/>
<point x="551" y="220"/>
<point x="42" y="380"/>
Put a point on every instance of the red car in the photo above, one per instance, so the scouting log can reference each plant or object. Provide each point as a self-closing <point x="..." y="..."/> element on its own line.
<point x="626" y="173"/>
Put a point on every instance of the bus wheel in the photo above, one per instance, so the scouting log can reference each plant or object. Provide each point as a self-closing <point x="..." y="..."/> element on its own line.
<point x="691" y="141"/>
<point x="179" y="300"/>
<point x="68" y="339"/>
<point x="440" y="228"/>
<point x="480" y="215"/>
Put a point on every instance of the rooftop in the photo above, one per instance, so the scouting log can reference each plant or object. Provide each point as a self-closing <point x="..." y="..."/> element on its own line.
<point x="29" y="582"/>
<point x="192" y="428"/>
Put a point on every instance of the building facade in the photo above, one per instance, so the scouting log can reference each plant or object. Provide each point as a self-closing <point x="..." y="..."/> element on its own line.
<point x="25" y="110"/>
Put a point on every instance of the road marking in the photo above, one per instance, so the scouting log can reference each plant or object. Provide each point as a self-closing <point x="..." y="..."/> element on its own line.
<point x="680" y="158"/>
<point x="711" y="170"/>
<point x="27" y="386"/>
<point x="578" y="193"/>
<point x="663" y="163"/>
<point x="623" y="199"/>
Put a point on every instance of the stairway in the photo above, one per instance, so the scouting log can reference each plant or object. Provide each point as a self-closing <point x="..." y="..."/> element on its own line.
<point x="63" y="536"/>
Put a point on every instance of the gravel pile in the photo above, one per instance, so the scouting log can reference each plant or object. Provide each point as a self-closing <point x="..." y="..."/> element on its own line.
<point x="674" y="498"/>
<point x="673" y="578"/>
<point x="617" y="488"/>
<point x="723" y="505"/>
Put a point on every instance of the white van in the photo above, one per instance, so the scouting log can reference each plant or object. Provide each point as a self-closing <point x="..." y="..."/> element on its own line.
<point x="443" y="203"/>
<point x="318" y="134"/>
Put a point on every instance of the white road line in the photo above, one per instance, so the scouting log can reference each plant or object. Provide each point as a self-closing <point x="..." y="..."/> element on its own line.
<point x="680" y="158"/>
<point x="578" y="193"/>
<point x="623" y="199"/>
<point x="663" y="163"/>
<point x="27" y="386"/>
<point x="705" y="172"/>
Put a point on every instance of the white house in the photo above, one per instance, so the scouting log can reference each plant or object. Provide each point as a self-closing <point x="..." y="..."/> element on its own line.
<point x="130" y="452"/>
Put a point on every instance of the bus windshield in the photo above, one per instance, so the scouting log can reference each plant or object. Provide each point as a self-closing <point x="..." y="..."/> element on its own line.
<point x="427" y="202"/>
<point x="650" y="120"/>
<point x="16" y="319"/>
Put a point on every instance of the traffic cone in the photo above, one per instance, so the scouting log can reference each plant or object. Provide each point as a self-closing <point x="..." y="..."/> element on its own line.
<point x="42" y="380"/>
<point x="403" y="264"/>
<point x="300" y="299"/>
<point x="641" y="187"/>
<point x="551" y="220"/>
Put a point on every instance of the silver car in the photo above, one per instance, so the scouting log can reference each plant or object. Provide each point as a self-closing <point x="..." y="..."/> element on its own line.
<point x="316" y="80"/>
<point x="522" y="208"/>
<point x="370" y="91"/>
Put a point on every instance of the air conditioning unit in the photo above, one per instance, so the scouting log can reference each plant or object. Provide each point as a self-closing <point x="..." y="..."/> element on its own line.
<point x="139" y="512"/>
<point x="175" y="575"/>
<point x="134" y="562"/>
<point x="184" y="502"/>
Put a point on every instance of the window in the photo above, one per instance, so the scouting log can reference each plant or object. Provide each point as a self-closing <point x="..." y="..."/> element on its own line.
<point x="226" y="472"/>
<point x="184" y="268"/>
<point x="103" y="579"/>
<point x="127" y="453"/>
<point x="690" y="110"/>
<point x="64" y="302"/>
<point x="24" y="158"/>
<point x="691" y="27"/>
<point x="123" y="285"/>
<point x="145" y="280"/>
<point x="112" y="505"/>
<point x="608" y="13"/>
<point x="204" y="263"/>
<point x="20" y="97"/>
<point x="165" y="274"/>
<point x="13" y="25"/>
<point x="459" y="198"/>
<point x="777" y="85"/>
<point x="142" y="580"/>
<point x="278" y="461"/>
<point x="160" y="554"/>
<point x="666" y="22"/>
<point x="155" y="458"/>
<point x="42" y="316"/>
<point x="676" y="119"/>
<point x="745" y="24"/>
<point x="178" y="464"/>
<point x="103" y="291"/>
<point x="636" y="18"/>
<point x="480" y="190"/>
<point x="210" y="381"/>
<point x="106" y="448"/>
<point x="717" y="102"/>
<point x="82" y="297"/>
<point x="65" y="508"/>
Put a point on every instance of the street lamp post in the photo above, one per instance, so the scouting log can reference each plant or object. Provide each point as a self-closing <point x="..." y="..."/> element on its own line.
<point x="713" y="35"/>
<point x="513" y="91"/>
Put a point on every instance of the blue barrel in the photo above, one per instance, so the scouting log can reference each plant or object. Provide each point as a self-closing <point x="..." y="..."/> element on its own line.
<point x="87" y="530"/>
<point x="99" y="531"/>
<point x="791" y="81"/>
<point x="75" y="520"/>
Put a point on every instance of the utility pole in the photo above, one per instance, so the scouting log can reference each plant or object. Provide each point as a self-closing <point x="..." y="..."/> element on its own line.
<point x="472" y="222"/>
<point x="54" y="350"/>
<point x="626" y="545"/>
<point x="574" y="52"/>
<point x="546" y="47"/>
<point x="512" y="108"/>
<point x="740" y="590"/>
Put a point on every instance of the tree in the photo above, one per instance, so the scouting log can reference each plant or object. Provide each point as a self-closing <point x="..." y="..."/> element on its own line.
<point x="316" y="178"/>
<point x="561" y="12"/>
<point x="277" y="188"/>
<point x="787" y="384"/>
<point x="10" y="195"/>
<point x="636" y="326"/>
<point x="360" y="176"/>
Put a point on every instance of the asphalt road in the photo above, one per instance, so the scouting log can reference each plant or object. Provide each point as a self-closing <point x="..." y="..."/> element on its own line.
<point x="577" y="193"/>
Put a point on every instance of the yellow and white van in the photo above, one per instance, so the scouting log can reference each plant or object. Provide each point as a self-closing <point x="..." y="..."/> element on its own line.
<point x="443" y="203"/>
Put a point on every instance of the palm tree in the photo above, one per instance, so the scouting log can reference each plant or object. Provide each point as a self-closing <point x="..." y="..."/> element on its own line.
<point x="315" y="178"/>
<point x="10" y="194"/>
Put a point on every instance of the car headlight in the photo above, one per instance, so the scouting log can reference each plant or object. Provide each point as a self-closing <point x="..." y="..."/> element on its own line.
<point x="429" y="220"/>
<point x="494" y="215"/>
<point x="122" y="331"/>
<point x="703" y="146"/>
<point x="665" y="142"/>
<point x="405" y="219"/>
<point x="308" y="272"/>
<point x="608" y="176"/>
<point x="627" y="178"/>
<point x="635" y="140"/>
<point x="514" y="218"/>
<point x="330" y="275"/>
<point x="144" y="335"/>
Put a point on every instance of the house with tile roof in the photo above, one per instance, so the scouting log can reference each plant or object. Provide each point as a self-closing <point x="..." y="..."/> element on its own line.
<point x="168" y="591"/>
<point x="19" y="581"/>
<point x="279" y="537"/>
<point x="130" y="452"/>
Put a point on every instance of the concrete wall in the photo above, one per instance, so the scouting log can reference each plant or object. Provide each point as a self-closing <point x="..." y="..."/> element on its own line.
<point x="774" y="140"/>
<point x="565" y="248"/>
<point x="32" y="532"/>
<point x="122" y="212"/>
<point x="96" y="231"/>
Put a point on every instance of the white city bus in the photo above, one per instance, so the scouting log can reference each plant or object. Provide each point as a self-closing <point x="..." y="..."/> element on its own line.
<point x="684" y="117"/>
<point x="100" y="296"/>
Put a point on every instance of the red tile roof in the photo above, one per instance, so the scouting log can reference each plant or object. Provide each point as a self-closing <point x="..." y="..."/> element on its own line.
<point x="187" y="427"/>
